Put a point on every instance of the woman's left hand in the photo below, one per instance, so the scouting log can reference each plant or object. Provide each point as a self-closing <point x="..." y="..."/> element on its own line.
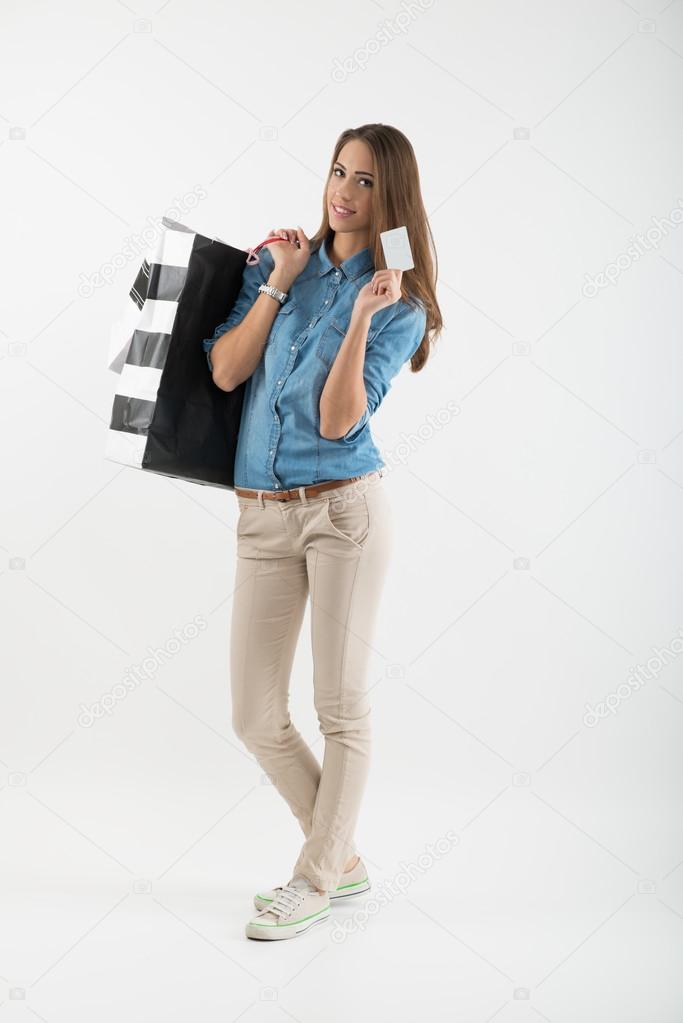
<point x="384" y="289"/>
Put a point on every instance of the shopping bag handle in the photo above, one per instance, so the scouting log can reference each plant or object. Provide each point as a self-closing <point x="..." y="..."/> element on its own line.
<point x="252" y="254"/>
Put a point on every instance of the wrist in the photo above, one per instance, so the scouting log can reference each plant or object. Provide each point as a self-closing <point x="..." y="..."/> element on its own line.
<point x="280" y="280"/>
<point x="361" y="318"/>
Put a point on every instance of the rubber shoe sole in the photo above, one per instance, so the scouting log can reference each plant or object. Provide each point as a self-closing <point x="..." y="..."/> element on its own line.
<point x="275" y="931"/>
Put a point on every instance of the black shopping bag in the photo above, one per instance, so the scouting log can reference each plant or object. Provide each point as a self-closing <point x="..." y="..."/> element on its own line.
<point x="168" y="415"/>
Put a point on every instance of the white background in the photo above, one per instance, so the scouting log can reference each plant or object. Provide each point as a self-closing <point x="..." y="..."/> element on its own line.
<point x="538" y="558"/>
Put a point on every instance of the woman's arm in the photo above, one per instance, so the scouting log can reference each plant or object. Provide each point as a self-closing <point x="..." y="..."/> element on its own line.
<point x="236" y="354"/>
<point x="343" y="399"/>
<point x="345" y="414"/>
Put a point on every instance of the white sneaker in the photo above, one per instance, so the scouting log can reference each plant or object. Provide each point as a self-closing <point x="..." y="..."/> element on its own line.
<point x="354" y="882"/>
<point x="296" y="907"/>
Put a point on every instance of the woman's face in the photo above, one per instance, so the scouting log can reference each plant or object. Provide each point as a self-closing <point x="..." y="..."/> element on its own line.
<point x="350" y="185"/>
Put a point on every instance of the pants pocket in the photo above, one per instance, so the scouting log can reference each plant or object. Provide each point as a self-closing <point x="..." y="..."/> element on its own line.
<point x="349" y="518"/>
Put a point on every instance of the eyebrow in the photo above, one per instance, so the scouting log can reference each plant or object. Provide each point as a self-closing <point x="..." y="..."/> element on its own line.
<point x="367" y="173"/>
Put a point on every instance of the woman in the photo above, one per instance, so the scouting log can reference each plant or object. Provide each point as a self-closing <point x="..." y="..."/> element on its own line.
<point x="318" y="335"/>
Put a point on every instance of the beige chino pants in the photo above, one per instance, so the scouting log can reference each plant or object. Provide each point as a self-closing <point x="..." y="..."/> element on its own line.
<point x="333" y="548"/>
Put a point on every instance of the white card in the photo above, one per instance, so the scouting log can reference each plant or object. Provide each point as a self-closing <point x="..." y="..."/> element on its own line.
<point x="396" y="246"/>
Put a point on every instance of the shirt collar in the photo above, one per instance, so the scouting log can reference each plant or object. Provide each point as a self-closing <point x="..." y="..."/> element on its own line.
<point x="352" y="267"/>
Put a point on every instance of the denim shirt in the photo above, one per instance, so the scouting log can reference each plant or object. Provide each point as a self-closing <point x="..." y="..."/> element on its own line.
<point x="279" y="445"/>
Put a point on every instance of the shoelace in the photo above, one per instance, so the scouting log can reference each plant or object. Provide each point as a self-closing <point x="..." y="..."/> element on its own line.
<point x="286" y="901"/>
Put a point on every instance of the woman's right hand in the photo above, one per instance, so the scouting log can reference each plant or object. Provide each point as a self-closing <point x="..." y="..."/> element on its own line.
<point x="288" y="257"/>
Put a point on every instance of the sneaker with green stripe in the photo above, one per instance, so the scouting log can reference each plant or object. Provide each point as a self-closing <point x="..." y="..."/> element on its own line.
<point x="297" y="907"/>
<point x="353" y="882"/>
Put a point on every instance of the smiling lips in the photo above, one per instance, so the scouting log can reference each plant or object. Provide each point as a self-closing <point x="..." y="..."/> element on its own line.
<point x="342" y="211"/>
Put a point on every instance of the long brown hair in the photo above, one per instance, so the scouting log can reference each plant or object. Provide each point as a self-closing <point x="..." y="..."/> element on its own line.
<point x="396" y="200"/>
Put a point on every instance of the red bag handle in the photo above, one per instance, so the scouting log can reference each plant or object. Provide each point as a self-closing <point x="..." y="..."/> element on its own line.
<point x="252" y="253"/>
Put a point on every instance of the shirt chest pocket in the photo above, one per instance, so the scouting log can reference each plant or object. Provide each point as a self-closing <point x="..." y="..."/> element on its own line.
<point x="331" y="341"/>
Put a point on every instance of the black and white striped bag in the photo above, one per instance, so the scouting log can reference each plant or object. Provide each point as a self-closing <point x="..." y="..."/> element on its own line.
<point x="168" y="415"/>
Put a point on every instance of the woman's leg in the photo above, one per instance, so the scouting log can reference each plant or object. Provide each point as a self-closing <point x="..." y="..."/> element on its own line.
<point x="348" y="548"/>
<point x="271" y="588"/>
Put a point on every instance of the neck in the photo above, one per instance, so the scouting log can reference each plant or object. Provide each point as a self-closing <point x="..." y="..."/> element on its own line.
<point x="345" y="245"/>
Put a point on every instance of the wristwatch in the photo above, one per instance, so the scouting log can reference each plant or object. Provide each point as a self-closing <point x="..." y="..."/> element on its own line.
<point x="281" y="296"/>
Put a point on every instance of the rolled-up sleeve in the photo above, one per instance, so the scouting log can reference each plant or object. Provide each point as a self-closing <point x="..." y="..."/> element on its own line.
<point x="253" y="276"/>
<point x="393" y="345"/>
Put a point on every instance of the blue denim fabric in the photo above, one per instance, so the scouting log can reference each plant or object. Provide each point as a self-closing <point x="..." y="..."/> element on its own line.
<point x="279" y="444"/>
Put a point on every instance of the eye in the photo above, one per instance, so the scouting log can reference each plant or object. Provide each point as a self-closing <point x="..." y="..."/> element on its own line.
<point x="360" y="179"/>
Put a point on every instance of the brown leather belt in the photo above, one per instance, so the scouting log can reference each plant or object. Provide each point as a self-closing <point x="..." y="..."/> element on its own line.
<point x="293" y="493"/>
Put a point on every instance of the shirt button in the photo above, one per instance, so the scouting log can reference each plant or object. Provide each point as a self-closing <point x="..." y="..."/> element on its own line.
<point x="292" y="348"/>
<point x="279" y="381"/>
